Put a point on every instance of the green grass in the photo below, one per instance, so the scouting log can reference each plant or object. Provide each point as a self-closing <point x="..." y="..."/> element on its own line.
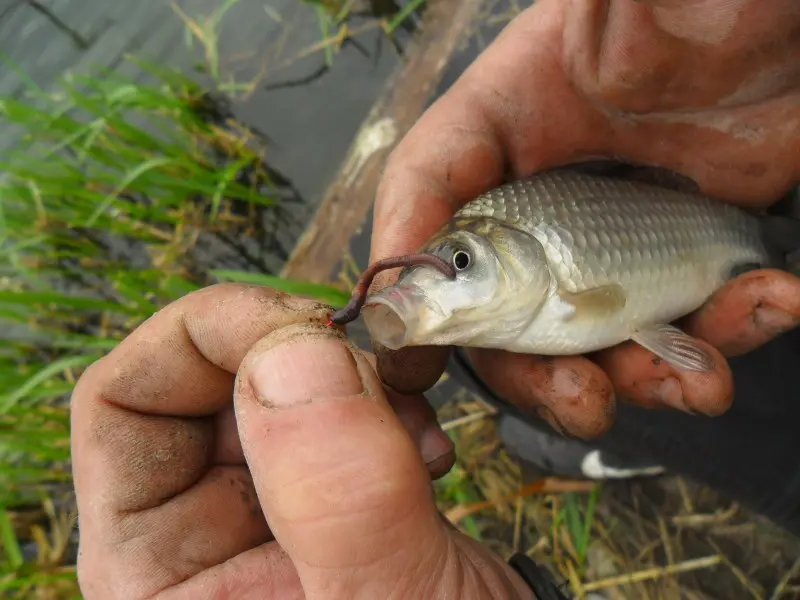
<point x="334" y="18"/>
<point x="337" y="12"/>
<point x="113" y="186"/>
<point x="457" y="488"/>
<point x="321" y="292"/>
<point x="100" y="211"/>
<point x="578" y="520"/>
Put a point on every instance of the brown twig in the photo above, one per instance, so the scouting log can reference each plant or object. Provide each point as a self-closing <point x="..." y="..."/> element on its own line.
<point x="750" y="586"/>
<point x="783" y="584"/>
<point x="353" y="308"/>
<point x="552" y="485"/>
<point x="654" y="573"/>
<point x="700" y="520"/>
<point x="405" y="96"/>
<point x="466" y="419"/>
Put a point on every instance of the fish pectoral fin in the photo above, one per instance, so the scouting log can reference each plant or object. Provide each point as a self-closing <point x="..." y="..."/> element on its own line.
<point x="674" y="346"/>
<point x="602" y="302"/>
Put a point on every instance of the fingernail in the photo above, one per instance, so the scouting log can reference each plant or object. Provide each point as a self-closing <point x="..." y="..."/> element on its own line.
<point x="670" y="392"/>
<point x="305" y="368"/>
<point x="773" y="321"/>
<point x="434" y="444"/>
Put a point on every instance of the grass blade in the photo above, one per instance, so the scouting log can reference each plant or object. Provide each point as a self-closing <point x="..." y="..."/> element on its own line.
<point x="403" y="14"/>
<point x="57" y="299"/>
<point x="323" y="293"/>
<point x="11" y="546"/>
<point x="51" y="370"/>
<point x="127" y="180"/>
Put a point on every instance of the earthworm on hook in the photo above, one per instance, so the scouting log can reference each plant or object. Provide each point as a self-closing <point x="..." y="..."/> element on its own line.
<point x="351" y="311"/>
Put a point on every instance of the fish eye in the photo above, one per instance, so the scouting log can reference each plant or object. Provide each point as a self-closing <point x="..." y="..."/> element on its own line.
<point x="461" y="260"/>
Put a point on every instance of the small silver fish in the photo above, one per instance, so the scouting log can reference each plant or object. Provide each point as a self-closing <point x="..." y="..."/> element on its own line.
<point x="567" y="262"/>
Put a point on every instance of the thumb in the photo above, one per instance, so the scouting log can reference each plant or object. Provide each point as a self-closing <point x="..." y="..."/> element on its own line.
<point x="343" y="487"/>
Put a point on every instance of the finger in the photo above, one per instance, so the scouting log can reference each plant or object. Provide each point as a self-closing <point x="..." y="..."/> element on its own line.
<point x="414" y="412"/>
<point x="420" y="421"/>
<point x="571" y="393"/>
<point x="748" y="312"/>
<point x="159" y="468"/>
<point x="266" y="573"/>
<point x="492" y="121"/>
<point x="648" y="64"/>
<point x="655" y="56"/>
<point x="412" y="370"/>
<point x="147" y="425"/>
<point x="341" y="482"/>
<point x="642" y="378"/>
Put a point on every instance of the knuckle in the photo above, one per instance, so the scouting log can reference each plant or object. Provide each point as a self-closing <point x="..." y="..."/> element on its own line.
<point x="224" y="287"/>
<point x="95" y="579"/>
<point x="89" y="383"/>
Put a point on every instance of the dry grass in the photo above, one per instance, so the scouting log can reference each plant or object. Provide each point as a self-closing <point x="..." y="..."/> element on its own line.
<point x="660" y="538"/>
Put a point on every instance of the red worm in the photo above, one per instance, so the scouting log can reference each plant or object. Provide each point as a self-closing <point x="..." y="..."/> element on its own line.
<point x="353" y="309"/>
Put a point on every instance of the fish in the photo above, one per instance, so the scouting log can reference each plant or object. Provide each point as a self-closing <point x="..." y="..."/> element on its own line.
<point x="568" y="262"/>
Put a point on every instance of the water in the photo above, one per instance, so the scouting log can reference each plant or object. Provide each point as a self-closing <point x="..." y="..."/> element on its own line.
<point x="309" y="126"/>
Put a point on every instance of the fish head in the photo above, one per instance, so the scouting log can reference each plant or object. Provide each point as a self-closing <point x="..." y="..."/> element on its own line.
<point x="501" y="279"/>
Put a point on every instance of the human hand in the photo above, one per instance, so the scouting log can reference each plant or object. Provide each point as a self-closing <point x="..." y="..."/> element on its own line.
<point x="705" y="88"/>
<point x="234" y="447"/>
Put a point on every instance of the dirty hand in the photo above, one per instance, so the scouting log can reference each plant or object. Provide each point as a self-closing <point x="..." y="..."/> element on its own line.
<point x="235" y="447"/>
<point x="705" y="88"/>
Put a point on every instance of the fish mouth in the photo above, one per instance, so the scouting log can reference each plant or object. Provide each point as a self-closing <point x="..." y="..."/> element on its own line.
<point x="392" y="315"/>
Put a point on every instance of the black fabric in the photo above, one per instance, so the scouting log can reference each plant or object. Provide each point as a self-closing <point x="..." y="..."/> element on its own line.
<point x="553" y="453"/>
<point x="751" y="453"/>
<point x="539" y="580"/>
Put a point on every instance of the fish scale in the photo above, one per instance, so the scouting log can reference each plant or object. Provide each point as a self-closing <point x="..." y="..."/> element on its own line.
<point x="605" y="231"/>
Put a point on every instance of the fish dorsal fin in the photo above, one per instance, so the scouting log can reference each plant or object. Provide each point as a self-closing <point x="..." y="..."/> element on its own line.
<point x="674" y="346"/>
<point x="601" y="302"/>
